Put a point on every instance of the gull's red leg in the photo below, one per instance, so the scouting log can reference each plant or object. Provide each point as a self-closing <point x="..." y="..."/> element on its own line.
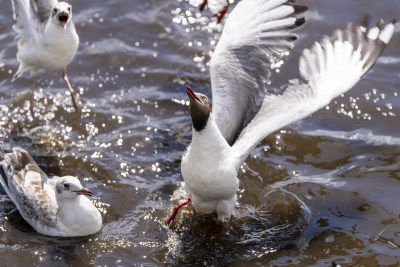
<point x="176" y="209"/>
<point x="202" y="6"/>
<point x="71" y="90"/>
<point x="220" y="15"/>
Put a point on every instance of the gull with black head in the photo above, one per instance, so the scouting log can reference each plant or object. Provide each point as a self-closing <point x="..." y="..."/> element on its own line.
<point x="46" y="39"/>
<point x="56" y="206"/>
<point x="246" y="108"/>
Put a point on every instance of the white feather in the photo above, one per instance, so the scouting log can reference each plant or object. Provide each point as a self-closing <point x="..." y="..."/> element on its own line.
<point x="253" y="30"/>
<point x="387" y="33"/>
<point x="210" y="181"/>
<point x="331" y="68"/>
<point x="373" y="33"/>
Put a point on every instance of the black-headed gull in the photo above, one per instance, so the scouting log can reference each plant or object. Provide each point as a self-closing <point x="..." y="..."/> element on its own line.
<point x="55" y="206"/>
<point x="46" y="38"/>
<point x="245" y="109"/>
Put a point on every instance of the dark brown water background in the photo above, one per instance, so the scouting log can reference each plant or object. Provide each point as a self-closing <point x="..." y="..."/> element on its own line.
<point x="325" y="188"/>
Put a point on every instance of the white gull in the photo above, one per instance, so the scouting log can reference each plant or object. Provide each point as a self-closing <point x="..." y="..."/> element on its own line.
<point x="246" y="109"/>
<point x="46" y="39"/>
<point x="57" y="206"/>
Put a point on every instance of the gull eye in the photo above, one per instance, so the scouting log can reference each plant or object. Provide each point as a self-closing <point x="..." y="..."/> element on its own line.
<point x="66" y="186"/>
<point x="55" y="10"/>
<point x="69" y="9"/>
<point x="204" y="98"/>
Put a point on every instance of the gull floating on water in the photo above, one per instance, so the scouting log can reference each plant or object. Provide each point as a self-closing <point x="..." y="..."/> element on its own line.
<point x="57" y="206"/>
<point x="246" y="109"/>
<point x="46" y="39"/>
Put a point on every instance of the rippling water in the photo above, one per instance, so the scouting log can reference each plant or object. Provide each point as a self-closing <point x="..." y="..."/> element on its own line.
<point x="325" y="188"/>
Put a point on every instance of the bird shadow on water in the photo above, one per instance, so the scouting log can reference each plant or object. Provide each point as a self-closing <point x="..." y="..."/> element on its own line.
<point x="276" y="223"/>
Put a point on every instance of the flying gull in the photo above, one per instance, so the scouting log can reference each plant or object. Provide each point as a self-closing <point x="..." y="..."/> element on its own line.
<point x="46" y="39"/>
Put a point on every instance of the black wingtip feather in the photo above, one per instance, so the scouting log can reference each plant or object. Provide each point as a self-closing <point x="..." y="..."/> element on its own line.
<point x="291" y="38"/>
<point x="300" y="21"/>
<point x="365" y="20"/>
<point x="299" y="9"/>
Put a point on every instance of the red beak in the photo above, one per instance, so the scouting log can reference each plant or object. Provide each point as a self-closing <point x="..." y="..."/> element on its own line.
<point x="191" y="93"/>
<point x="85" y="192"/>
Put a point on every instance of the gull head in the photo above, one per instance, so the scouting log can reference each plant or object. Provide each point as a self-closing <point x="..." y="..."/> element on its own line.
<point x="199" y="109"/>
<point x="69" y="187"/>
<point x="61" y="14"/>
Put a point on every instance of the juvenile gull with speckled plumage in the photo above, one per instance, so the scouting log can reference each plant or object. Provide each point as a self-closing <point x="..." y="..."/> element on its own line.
<point x="55" y="206"/>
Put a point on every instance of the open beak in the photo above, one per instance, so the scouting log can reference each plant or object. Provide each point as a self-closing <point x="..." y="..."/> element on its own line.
<point x="191" y="93"/>
<point x="63" y="18"/>
<point x="84" y="191"/>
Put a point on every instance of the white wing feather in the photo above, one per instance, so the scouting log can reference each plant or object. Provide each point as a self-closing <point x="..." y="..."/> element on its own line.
<point x="43" y="9"/>
<point x="31" y="16"/>
<point x="26" y="185"/>
<point x="331" y="68"/>
<point x="24" y="21"/>
<point x="255" y="31"/>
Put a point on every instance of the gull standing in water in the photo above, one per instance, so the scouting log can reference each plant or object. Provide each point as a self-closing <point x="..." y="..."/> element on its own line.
<point x="245" y="109"/>
<point x="46" y="39"/>
<point x="54" y="207"/>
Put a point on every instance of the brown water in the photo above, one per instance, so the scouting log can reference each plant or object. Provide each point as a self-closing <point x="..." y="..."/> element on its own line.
<point x="325" y="188"/>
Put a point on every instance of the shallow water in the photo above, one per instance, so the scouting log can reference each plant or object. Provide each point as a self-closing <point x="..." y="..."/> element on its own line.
<point x="322" y="189"/>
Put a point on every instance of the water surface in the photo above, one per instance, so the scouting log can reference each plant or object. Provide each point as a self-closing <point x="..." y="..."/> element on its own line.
<point x="322" y="189"/>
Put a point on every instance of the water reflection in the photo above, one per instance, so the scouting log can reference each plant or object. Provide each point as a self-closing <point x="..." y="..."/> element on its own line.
<point x="320" y="190"/>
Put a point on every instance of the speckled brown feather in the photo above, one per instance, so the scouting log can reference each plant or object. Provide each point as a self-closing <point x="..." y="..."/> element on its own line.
<point x="28" y="189"/>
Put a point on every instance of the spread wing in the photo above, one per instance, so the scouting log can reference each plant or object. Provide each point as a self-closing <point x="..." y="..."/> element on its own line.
<point x="331" y="67"/>
<point x="22" y="14"/>
<point x="26" y="185"/>
<point x="31" y="16"/>
<point x="255" y="38"/>
<point x="43" y="9"/>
